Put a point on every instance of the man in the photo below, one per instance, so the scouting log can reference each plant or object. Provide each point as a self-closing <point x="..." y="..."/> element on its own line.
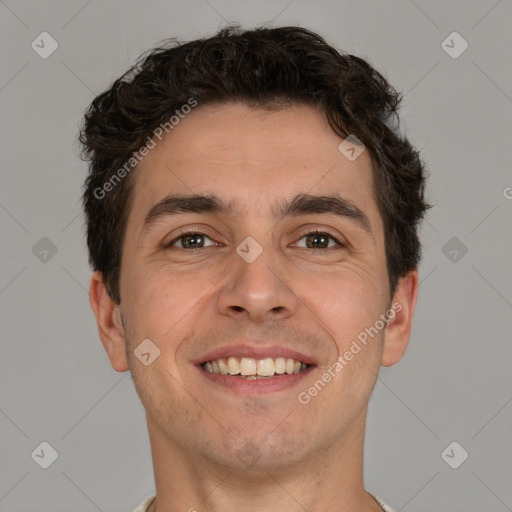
<point x="252" y="217"/>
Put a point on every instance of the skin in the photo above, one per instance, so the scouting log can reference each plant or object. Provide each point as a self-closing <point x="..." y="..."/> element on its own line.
<point x="313" y="300"/>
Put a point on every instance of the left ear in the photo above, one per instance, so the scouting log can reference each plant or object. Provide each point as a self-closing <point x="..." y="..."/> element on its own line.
<point x="398" y="330"/>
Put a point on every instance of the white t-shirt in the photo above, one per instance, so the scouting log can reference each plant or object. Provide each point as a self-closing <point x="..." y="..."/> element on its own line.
<point x="147" y="502"/>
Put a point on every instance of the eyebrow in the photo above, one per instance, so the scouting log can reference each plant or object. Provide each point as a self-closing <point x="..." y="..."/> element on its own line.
<point x="302" y="204"/>
<point x="175" y="205"/>
<point x="305" y="204"/>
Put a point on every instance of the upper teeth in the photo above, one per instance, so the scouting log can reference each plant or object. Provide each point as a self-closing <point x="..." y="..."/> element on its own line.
<point x="248" y="366"/>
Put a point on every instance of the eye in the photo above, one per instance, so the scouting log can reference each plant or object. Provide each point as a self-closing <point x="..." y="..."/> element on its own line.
<point x="318" y="240"/>
<point x="191" y="241"/>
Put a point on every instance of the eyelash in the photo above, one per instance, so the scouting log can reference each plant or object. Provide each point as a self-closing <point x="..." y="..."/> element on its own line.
<point x="192" y="233"/>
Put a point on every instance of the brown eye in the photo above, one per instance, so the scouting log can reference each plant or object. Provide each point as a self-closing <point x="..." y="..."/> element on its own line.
<point x="191" y="241"/>
<point x="318" y="240"/>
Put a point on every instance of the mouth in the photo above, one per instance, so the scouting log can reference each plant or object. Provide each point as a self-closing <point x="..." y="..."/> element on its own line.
<point x="254" y="369"/>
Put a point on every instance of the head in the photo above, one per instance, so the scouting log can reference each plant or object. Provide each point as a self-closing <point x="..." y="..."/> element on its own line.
<point x="238" y="136"/>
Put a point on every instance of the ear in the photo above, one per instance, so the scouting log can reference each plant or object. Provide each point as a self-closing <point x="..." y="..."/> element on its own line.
<point x="399" y="326"/>
<point x="108" y="319"/>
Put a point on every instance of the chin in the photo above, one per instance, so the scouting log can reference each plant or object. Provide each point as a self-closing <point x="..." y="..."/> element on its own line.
<point x="255" y="453"/>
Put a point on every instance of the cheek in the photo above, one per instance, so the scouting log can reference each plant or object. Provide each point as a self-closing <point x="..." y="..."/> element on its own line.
<point x="161" y="302"/>
<point x="345" y="303"/>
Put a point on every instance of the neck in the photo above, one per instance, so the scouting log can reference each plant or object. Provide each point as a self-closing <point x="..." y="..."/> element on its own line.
<point x="330" y="480"/>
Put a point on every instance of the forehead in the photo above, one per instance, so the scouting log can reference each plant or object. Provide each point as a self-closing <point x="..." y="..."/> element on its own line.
<point x="252" y="157"/>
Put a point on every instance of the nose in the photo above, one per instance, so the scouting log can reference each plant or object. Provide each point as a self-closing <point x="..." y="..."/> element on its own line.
<point x="257" y="291"/>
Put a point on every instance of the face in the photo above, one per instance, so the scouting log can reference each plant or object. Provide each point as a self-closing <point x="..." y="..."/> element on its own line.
<point x="254" y="245"/>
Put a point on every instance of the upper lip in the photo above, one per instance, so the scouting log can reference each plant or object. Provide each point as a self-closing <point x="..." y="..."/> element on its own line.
<point x="254" y="352"/>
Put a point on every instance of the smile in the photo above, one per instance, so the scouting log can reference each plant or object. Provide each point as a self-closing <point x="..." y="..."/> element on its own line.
<point x="253" y="369"/>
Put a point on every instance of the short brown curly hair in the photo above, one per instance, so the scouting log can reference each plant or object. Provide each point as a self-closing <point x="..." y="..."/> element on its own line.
<point x="264" y="67"/>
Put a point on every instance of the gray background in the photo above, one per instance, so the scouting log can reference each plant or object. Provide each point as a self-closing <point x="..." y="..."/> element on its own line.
<point x="454" y="383"/>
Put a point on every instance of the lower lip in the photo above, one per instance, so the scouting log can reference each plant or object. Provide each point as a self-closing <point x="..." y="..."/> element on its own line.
<point x="248" y="387"/>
